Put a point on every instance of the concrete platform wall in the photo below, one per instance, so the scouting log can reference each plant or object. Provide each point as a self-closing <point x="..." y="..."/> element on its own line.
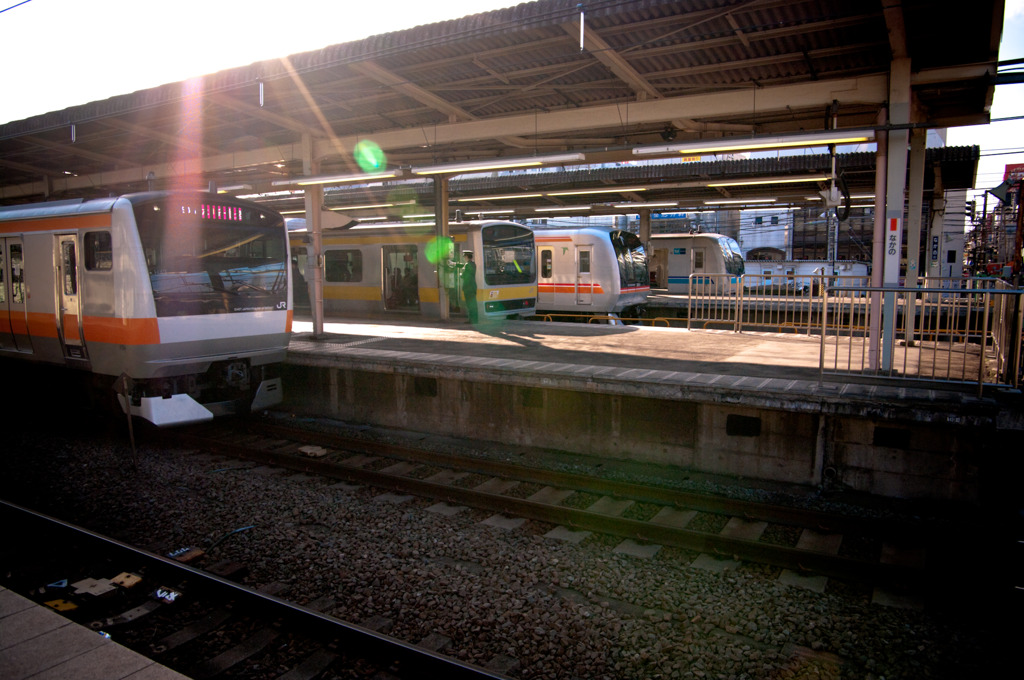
<point x="878" y="455"/>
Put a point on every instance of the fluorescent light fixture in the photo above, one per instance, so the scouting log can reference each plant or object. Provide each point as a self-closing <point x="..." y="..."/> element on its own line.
<point x="671" y="204"/>
<point x="563" y="208"/>
<point x="336" y="179"/>
<point x="793" y="141"/>
<point x="234" y="187"/>
<point x="862" y="196"/>
<point x="370" y="219"/>
<point x="780" y="180"/>
<point x="490" y="212"/>
<point x="741" y="201"/>
<point x="368" y="206"/>
<point x="416" y="217"/>
<point x="498" y="198"/>
<point x="499" y="164"/>
<point x="585" y="192"/>
<point x="293" y="212"/>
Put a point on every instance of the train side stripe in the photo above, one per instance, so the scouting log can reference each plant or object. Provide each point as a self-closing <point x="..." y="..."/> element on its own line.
<point x="94" y="328"/>
<point x="121" y="331"/>
<point x="594" y="288"/>
<point x="40" y="325"/>
<point x="70" y="222"/>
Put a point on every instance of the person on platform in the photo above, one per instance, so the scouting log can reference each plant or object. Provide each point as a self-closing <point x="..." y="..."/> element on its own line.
<point x="469" y="286"/>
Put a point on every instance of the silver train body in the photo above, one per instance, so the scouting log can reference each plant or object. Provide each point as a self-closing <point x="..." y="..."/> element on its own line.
<point x="697" y="263"/>
<point x="372" y="270"/>
<point x="591" y="271"/>
<point x="179" y="302"/>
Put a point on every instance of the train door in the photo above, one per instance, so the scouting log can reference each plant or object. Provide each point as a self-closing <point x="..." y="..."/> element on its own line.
<point x="546" y="279"/>
<point x="584" y="278"/>
<point x="698" y="257"/>
<point x="69" y="318"/>
<point x="659" y="268"/>
<point x="300" y="278"/>
<point x="13" y="313"/>
<point x="6" y="334"/>
<point x="401" y="277"/>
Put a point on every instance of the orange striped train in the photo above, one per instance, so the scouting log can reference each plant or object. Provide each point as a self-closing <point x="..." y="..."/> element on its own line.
<point x="179" y="302"/>
<point x="598" y="271"/>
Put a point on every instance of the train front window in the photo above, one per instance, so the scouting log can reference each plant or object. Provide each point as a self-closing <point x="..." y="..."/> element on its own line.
<point x="733" y="256"/>
<point x="632" y="258"/>
<point x="213" y="259"/>
<point x="509" y="255"/>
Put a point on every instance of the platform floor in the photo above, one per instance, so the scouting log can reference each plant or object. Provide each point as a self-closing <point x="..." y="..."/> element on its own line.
<point x="38" y="643"/>
<point x="758" y="363"/>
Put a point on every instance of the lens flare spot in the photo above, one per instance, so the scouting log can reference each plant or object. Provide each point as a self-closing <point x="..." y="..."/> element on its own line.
<point x="438" y="249"/>
<point x="369" y="156"/>
<point x="404" y="201"/>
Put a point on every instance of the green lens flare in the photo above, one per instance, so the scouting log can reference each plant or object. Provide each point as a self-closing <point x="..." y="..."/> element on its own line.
<point x="437" y="249"/>
<point x="369" y="156"/>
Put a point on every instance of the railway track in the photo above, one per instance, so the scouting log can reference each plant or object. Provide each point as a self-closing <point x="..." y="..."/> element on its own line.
<point x="191" y="616"/>
<point x="907" y="556"/>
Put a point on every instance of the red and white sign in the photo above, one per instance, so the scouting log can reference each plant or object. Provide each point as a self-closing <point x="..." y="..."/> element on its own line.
<point x="893" y="252"/>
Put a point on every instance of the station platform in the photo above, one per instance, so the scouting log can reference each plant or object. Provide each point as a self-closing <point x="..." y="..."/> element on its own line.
<point x="747" y="368"/>
<point x="39" y="644"/>
<point x="745" y="405"/>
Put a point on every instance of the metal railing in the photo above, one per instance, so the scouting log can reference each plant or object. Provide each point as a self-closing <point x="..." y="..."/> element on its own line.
<point x="948" y="330"/>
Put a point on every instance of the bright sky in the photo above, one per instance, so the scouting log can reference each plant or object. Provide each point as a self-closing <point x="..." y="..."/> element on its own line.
<point x="61" y="53"/>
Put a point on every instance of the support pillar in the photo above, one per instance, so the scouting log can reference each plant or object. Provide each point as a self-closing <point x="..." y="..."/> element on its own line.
<point x="441" y="233"/>
<point x="895" y="187"/>
<point x="314" y="200"/>
<point x="915" y="201"/>
<point x="878" y="243"/>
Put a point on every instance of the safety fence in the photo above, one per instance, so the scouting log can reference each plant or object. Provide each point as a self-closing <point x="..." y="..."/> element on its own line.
<point x="949" y="330"/>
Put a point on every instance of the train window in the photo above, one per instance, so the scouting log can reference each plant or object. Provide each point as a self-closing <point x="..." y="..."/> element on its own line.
<point x="3" y="288"/>
<point x="69" y="268"/>
<point x="17" y="276"/>
<point x="584" y="262"/>
<point x="508" y="256"/>
<point x="545" y="264"/>
<point x="698" y="259"/>
<point x="341" y="266"/>
<point x="632" y="258"/>
<point x="99" y="255"/>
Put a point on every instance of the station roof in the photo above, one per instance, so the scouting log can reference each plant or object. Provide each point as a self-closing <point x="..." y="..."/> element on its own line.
<point x="517" y="82"/>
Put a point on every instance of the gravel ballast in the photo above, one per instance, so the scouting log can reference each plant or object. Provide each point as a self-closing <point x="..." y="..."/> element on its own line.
<point x="558" y="609"/>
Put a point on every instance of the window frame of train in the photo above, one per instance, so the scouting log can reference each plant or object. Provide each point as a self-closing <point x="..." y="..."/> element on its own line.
<point x="208" y="256"/>
<point x="546" y="263"/>
<point x="353" y="263"/>
<point x="509" y="255"/>
<point x="99" y="251"/>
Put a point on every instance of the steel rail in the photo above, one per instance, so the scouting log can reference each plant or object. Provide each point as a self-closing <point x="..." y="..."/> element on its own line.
<point x="358" y="641"/>
<point x="780" y="556"/>
<point x="752" y="510"/>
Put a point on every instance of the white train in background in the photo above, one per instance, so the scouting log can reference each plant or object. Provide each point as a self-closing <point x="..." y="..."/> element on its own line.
<point x="595" y="271"/>
<point x="684" y="263"/>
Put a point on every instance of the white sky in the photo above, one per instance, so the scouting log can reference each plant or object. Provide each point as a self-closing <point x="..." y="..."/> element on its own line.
<point x="61" y="53"/>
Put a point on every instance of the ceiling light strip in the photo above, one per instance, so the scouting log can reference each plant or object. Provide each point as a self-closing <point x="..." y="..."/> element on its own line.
<point x="499" y="164"/>
<point x="793" y="141"/>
